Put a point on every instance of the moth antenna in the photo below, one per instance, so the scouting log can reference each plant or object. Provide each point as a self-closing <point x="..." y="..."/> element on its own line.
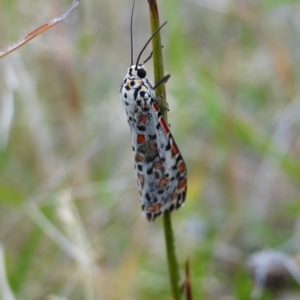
<point x="131" y="35"/>
<point x="152" y="36"/>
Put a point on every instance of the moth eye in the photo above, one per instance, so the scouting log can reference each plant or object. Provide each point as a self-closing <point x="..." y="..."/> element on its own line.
<point x="141" y="73"/>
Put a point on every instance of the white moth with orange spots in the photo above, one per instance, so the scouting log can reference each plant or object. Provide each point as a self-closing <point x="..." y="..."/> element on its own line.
<point x="160" y="168"/>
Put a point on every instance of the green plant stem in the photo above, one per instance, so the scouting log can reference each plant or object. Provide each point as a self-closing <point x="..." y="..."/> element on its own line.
<point x="171" y="255"/>
<point x="158" y="75"/>
<point x="157" y="56"/>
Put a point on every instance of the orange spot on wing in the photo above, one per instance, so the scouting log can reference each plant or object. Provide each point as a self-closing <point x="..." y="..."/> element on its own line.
<point x="163" y="182"/>
<point x="141" y="179"/>
<point x="143" y="119"/>
<point x="154" y="208"/>
<point x="181" y="167"/>
<point x="139" y="158"/>
<point x="140" y="139"/>
<point x="174" y="149"/>
<point x="175" y="197"/>
<point x="164" y="125"/>
<point x="153" y="147"/>
<point x="155" y="107"/>
<point x="158" y="165"/>
<point x="182" y="184"/>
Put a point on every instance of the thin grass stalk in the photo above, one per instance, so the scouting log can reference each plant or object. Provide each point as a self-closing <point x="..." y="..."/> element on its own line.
<point x="171" y="255"/>
<point x="158" y="75"/>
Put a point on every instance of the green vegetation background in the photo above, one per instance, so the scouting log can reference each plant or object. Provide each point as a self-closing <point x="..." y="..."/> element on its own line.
<point x="70" y="218"/>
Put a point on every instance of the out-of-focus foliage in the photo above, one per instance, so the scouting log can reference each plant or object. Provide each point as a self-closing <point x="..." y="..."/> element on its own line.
<point x="70" y="218"/>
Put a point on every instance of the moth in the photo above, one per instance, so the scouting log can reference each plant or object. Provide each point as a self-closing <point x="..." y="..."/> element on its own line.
<point x="160" y="169"/>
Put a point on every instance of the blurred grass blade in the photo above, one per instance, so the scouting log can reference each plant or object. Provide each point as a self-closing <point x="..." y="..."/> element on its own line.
<point x="57" y="237"/>
<point x="39" y="30"/>
<point x="5" y="290"/>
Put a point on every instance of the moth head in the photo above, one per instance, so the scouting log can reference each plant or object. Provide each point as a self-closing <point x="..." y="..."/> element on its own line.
<point x="137" y="71"/>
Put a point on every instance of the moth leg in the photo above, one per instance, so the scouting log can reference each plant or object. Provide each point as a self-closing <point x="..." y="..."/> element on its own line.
<point x="159" y="102"/>
<point x="163" y="80"/>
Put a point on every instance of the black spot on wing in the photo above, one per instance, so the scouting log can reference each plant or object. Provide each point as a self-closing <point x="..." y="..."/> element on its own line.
<point x="136" y="91"/>
<point x="150" y="171"/>
<point x="152" y="137"/>
<point x="168" y="147"/>
<point x="179" y="197"/>
<point x="171" y="208"/>
<point x="141" y="128"/>
<point x="142" y="94"/>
